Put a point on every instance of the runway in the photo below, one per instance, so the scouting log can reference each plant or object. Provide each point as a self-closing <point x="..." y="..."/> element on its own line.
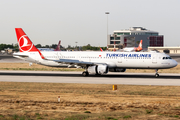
<point x="76" y="77"/>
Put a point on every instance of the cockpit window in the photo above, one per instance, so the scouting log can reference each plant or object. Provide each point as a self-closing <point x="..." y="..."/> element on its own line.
<point x="167" y="58"/>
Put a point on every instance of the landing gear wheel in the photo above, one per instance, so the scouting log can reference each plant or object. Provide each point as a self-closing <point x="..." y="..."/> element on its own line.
<point x="85" y="73"/>
<point x="156" y="75"/>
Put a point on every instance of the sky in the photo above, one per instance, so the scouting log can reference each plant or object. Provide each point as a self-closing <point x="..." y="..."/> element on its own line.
<point x="85" y="22"/>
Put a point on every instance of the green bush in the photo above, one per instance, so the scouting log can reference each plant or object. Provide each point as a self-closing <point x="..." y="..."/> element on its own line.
<point x="149" y="111"/>
<point x="110" y="118"/>
<point x="15" y="117"/>
<point x="176" y="116"/>
<point x="77" y="117"/>
<point x="87" y="112"/>
<point x="39" y="117"/>
<point x="127" y="116"/>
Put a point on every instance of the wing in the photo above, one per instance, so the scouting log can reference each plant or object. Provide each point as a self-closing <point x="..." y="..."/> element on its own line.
<point x="76" y="62"/>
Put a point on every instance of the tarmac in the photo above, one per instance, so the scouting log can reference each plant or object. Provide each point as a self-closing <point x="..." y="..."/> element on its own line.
<point x="76" y="77"/>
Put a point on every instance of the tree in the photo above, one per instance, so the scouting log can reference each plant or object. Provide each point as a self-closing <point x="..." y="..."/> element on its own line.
<point x="16" y="47"/>
<point x="54" y="46"/>
<point x="38" y="46"/>
<point x="5" y="46"/>
<point x="46" y="46"/>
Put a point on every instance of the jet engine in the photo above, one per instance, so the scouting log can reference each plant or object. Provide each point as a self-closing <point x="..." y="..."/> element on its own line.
<point x="98" y="69"/>
<point x="117" y="70"/>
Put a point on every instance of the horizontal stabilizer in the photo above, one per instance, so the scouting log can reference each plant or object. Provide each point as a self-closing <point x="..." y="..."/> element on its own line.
<point x="20" y="55"/>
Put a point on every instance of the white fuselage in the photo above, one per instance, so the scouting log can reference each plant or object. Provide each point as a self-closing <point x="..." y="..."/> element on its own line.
<point x="129" y="49"/>
<point x="128" y="60"/>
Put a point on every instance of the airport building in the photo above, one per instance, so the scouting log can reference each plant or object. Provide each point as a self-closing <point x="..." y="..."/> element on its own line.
<point x="131" y="38"/>
<point x="170" y="50"/>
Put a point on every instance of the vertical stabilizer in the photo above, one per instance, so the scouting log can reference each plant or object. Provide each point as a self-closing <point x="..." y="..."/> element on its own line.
<point x="58" y="46"/>
<point x="25" y="44"/>
<point x="139" y="48"/>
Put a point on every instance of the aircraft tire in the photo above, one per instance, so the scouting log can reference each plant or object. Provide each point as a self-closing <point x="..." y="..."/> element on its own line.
<point x="85" y="73"/>
<point x="156" y="75"/>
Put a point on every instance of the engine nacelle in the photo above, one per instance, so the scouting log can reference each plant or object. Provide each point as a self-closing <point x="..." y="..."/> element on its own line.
<point x="117" y="70"/>
<point x="98" y="69"/>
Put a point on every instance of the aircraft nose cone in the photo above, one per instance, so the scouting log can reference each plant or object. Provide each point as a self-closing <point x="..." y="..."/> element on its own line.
<point x="174" y="63"/>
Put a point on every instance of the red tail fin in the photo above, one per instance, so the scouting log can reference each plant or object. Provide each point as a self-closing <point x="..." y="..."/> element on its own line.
<point x="58" y="46"/>
<point x="140" y="46"/>
<point x="101" y="49"/>
<point x="25" y="44"/>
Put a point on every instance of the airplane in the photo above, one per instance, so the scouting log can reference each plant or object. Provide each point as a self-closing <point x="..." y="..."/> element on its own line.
<point x="98" y="63"/>
<point x="129" y="49"/>
<point x="58" y="46"/>
<point x="46" y="49"/>
<point x="50" y="49"/>
<point x="136" y="49"/>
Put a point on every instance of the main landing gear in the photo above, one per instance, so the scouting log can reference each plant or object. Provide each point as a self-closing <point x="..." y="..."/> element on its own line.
<point x="156" y="74"/>
<point x="85" y="73"/>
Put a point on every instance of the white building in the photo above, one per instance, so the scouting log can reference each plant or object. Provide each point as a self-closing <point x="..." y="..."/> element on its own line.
<point x="131" y="38"/>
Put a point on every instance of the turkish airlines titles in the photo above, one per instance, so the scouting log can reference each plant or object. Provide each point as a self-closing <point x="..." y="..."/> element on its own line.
<point x="128" y="55"/>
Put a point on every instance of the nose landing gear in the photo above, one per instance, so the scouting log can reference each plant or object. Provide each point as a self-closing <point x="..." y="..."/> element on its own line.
<point x="156" y="74"/>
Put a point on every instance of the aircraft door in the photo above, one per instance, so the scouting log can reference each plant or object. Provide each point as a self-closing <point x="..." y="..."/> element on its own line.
<point x="89" y="58"/>
<point x="119" y="59"/>
<point x="154" y="58"/>
<point x="79" y="57"/>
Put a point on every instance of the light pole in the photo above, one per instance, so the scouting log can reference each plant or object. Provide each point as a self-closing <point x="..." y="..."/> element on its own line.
<point x="107" y="25"/>
<point x="76" y="45"/>
<point x="115" y="41"/>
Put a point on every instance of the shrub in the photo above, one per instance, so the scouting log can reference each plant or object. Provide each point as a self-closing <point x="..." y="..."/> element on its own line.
<point x="176" y="116"/>
<point x="127" y="116"/>
<point x="15" y="117"/>
<point x="37" y="114"/>
<point x="87" y="112"/>
<point x="149" y="111"/>
<point x="111" y="118"/>
<point x="39" y="117"/>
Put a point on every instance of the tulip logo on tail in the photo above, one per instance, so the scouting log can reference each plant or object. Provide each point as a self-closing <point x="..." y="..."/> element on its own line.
<point x="25" y="44"/>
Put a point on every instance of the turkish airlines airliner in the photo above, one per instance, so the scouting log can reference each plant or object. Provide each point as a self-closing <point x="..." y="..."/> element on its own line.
<point x="93" y="62"/>
<point x="130" y="49"/>
<point x="136" y="49"/>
